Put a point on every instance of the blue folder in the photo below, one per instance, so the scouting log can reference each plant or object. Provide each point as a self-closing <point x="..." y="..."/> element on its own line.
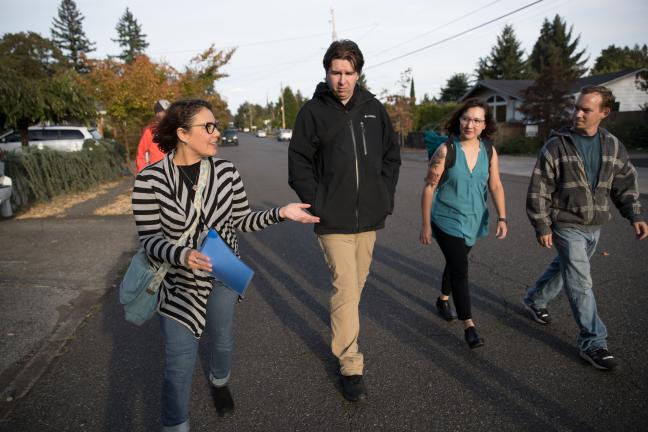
<point x="226" y="266"/>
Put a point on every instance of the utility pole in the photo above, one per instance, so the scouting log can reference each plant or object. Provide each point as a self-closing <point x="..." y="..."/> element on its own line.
<point x="334" y="36"/>
<point x="283" y="110"/>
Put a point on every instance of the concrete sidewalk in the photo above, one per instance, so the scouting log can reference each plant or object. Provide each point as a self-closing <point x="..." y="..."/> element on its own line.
<point x="53" y="271"/>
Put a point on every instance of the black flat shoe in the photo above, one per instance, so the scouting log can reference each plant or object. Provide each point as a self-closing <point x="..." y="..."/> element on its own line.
<point x="472" y="338"/>
<point x="223" y="401"/>
<point x="443" y="306"/>
<point x="353" y="388"/>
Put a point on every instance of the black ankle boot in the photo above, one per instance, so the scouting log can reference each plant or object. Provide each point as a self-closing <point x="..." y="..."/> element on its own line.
<point x="353" y="388"/>
<point x="223" y="401"/>
<point x="472" y="338"/>
<point x="444" y="309"/>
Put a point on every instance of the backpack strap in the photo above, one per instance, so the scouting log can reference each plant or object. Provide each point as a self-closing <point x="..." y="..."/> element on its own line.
<point x="451" y="157"/>
<point x="489" y="151"/>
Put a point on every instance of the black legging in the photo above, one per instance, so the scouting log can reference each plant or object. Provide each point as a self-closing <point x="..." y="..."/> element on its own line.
<point x="455" y="274"/>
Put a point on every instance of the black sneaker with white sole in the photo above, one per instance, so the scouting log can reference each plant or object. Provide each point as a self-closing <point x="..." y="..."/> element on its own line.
<point x="540" y="315"/>
<point x="600" y="358"/>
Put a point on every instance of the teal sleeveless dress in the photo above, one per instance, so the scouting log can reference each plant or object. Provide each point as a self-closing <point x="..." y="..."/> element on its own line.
<point x="459" y="208"/>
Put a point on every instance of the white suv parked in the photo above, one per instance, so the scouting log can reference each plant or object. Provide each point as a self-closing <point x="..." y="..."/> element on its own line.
<point x="64" y="138"/>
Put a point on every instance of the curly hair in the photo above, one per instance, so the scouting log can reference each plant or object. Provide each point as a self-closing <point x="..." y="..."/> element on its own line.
<point x="452" y="126"/>
<point x="344" y="50"/>
<point x="178" y="115"/>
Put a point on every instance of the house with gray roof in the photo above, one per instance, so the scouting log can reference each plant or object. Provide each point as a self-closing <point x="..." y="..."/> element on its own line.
<point x="506" y="96"/>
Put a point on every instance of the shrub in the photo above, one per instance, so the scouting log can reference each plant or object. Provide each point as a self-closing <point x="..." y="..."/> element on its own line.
<point x="519" y="145"/>
<point x="40" y="175"/>
<point x="633" y="133"/>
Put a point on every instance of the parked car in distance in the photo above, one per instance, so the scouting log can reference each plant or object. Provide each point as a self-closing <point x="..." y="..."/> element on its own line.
<point x="261" y="133"/>
<point x="229" y="137"/>
<point x="63" y="138"/>
<point x="284" y="134"/>
<point x="246" y="129"/>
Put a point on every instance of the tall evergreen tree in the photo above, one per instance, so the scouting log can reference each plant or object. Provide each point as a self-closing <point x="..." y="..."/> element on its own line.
<point x="456" y="86"/>
<point x="556" y="49"/>
<point x="291" y="106"/>
<point x="362" y="81"/>
<point x="412" y="91"/>
<point x="615" y="59"/>
<point x="505" y="61"/>
<point x="130" y="37"/>
<point x="548" y="102"/>
<point x="68" y="35"/>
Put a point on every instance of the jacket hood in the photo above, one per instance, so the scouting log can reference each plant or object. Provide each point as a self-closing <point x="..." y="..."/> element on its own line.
<point x="323" y="92"/>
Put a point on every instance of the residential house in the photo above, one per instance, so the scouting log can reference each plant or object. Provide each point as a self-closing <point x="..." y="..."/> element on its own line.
<point x="506" y="96"/>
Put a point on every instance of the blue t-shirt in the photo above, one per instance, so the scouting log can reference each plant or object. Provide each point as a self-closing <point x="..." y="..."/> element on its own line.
<point x="589" y="148"/>
<point x="459" y="207"/>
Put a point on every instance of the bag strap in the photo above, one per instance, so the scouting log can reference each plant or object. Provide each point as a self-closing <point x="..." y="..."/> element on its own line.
<point x="198" y="199"/>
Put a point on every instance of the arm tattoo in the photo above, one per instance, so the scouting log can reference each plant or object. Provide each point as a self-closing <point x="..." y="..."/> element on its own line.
<point x="433" y="178"/>
<point x="436" y="160"/>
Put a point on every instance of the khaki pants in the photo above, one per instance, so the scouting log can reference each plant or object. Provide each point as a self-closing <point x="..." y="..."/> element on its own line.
<point x="348" y="257"/>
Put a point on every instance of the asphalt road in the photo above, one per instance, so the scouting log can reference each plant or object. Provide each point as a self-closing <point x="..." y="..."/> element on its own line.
<point x="419" y="371"/>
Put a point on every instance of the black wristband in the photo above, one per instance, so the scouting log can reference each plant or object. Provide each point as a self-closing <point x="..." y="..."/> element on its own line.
<point x="501" y="219"/>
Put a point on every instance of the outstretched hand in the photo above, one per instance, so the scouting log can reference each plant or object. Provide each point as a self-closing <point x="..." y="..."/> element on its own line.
<point x="295" y="212"/>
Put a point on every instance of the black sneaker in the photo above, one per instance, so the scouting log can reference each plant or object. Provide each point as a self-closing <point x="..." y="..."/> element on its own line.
<point x="600" y="358"/>
<point x="443" y="306"/>
<point x="353" y="388"/>
<point x="223" y="401"/>
<point x="541" y="315"/>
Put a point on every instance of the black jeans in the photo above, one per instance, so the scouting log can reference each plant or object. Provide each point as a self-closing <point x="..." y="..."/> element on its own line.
<point x="455" y="274"/>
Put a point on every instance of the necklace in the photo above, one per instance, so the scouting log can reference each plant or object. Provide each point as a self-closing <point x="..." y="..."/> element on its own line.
<point x="194" y="186"/>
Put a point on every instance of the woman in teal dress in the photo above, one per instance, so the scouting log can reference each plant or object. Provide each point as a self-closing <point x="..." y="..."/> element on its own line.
<point x="454" y="207"/>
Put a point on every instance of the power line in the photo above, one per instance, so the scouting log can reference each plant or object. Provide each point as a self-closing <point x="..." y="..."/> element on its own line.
<point x="268" y="42"/>
<point x="435" y="29"/>
<point x="455" y="35"/>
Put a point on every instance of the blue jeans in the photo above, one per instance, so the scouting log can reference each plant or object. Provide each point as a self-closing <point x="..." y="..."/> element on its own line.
<point x="571" y="270"/>
<point x="181" y="348"/>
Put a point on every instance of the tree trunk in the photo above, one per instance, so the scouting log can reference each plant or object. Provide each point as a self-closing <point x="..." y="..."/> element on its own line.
<point x="23" y="126"/>
<point x="126" y="145"/>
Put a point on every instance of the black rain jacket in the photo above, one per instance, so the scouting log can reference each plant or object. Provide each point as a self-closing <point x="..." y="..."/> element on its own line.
<point x="344" y="161"/>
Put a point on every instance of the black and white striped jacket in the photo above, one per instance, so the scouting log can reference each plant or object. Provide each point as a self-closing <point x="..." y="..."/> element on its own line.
<point x="163" y="212"/>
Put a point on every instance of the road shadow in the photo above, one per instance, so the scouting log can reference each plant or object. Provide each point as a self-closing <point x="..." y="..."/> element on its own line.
<point x="135" y="369"/>
<point x="385" y="304"/>
<point x="484" y="301"/>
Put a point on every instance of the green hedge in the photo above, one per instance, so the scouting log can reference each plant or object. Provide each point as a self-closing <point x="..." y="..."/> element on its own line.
<point x="632" y="133"/>
<point x="40" y="175"/>
<point x="519" y="146"/>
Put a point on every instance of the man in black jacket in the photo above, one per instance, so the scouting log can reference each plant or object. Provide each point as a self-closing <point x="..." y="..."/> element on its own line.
<point x="344" y="161"/>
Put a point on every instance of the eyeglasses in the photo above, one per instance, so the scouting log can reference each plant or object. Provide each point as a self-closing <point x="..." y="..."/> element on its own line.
<point x="476" y="121"/>
<point x="209" y="127"/>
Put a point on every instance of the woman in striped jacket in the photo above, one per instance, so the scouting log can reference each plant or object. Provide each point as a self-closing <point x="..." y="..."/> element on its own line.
<point x="191" y="301"/>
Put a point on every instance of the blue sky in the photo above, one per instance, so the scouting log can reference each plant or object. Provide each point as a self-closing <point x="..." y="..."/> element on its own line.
<point x="282" y="42"/>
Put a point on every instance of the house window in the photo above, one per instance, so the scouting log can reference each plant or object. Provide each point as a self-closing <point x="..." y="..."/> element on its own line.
<point x="498" y="105"/>
<point x="531" y="130"/>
